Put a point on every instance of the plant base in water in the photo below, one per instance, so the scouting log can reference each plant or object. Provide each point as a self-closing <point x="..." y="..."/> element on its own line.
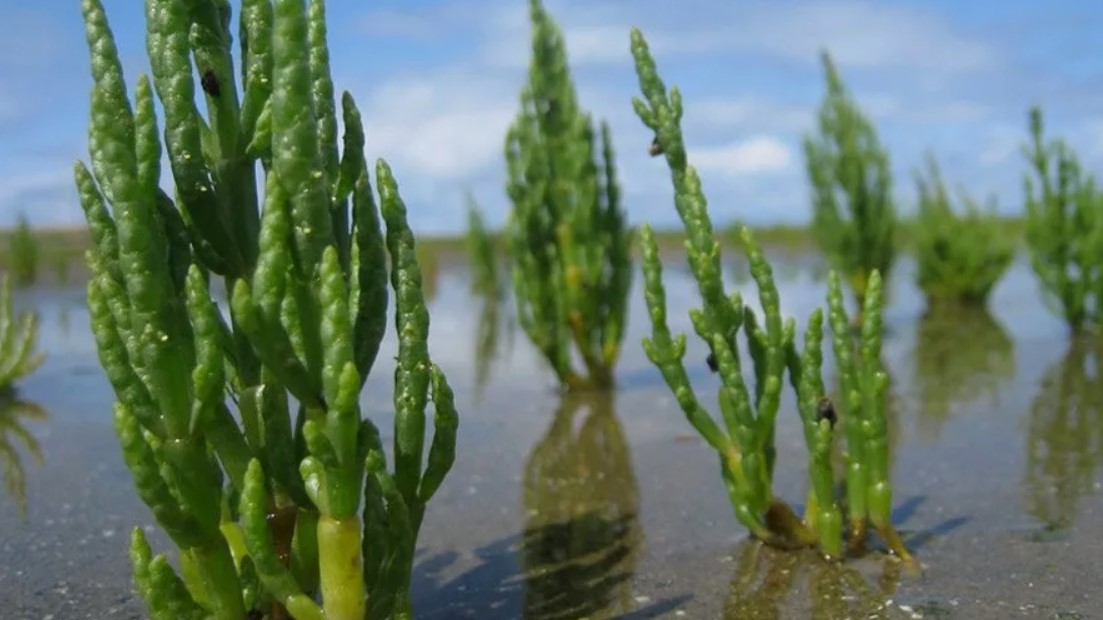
<point x="744" y="438"/>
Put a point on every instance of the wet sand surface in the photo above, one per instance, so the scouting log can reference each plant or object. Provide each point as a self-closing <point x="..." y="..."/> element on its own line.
<point x="585" y="507"/>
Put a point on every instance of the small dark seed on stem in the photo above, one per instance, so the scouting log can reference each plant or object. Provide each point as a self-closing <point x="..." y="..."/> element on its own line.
<point x="711" y="361"/>
<point x="209" y="81"/>
<point x="825" y="410"/>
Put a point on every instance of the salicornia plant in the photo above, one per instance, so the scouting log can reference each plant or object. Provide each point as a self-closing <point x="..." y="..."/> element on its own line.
<point x="745" y="441"/>
<point x="1064" y="228"/>
<point x="853" y="215"/>
<point x="961" y="256"/>
<point x="567" y="238"/>
<point x="18" y="335"/>
<point x="244" y="432"/>
<point x="23" y="253"/>
<point x="482" y="253"/>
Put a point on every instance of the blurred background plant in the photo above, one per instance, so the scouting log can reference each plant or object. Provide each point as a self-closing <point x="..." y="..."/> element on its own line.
<point x="854" y="217"/>
<point x="961" y="256"/>
<point x="23" y="253"/>
<point x="483" y="257"/>
<point x="485" y="262"/>
<point x="1064" y="233"/>
<point x="567" y="239"/>
<point x="18" y="338"/>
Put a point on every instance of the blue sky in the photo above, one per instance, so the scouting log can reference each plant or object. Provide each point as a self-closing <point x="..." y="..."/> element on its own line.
<point x="437" y="81"/>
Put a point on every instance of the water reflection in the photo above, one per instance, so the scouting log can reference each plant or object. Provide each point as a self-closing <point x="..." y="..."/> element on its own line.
<point x="582" y="538"/>
<point x="492" y="322"/>
<point x="772" y="583"/>
<point x="960" y="355"/>
<point x="63" y="321"/>
<point x="15" y="436"/>
<point x="428" y="259"/>
<point x="1065" y="435"/>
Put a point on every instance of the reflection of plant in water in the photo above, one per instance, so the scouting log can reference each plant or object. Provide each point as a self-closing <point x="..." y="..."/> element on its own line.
<point x="63" y="320"/>
<point x="1065" y="434"/>
<point x="582" y="538"/>
<point x="960" y="353"/>
<point x="482" y="253"/>
<point x="17" y="339"/>
<point x="488" y="335"/>
<point x="13" y="413"/>
<point x="765" y="578"/>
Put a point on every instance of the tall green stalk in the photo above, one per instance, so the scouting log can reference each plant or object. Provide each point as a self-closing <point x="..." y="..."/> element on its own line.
<point x="244" y="433"/>
<point x="567" y="237"/>
<point x="1064" y="228"/>
<point x="482" y="254"/>
<point x="24" y="253"/>
<point x="745" y="441"/>
<point x="961" y="256"/>
<point x="853" y="215"/>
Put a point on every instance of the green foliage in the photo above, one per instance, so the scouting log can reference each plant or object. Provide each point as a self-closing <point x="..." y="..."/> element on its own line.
<point x="567" y="238"/>
<point x="18" y="334"/>
<point x="482" y="254"/>
<point x="745" y="442"/>
<point x="1064" y="230"/>
<point x="961" y="256"/>
<point x="62" y="266"/>
<point x="23" y="253"/>
<point x="14" y="414"/>
<point x="244" y="433"/>
<point x="853" y="216"/>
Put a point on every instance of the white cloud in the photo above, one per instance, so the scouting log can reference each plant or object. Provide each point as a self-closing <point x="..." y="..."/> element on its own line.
<point x="757" y="155"/>
<point x="747" y="111"/>
<point x="1002" y="144"/>
<point x="861" y="34"/>
<point x="450" y="125"/>
<point x="858" y="33"/>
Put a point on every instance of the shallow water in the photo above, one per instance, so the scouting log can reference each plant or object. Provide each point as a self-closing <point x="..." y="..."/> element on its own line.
<point x="571" y="507"/>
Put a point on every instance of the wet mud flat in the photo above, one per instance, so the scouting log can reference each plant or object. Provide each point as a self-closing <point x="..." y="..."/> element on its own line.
<point x="566" y="507"/>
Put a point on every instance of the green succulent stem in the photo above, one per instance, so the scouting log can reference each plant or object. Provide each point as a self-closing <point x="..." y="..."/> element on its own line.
<point x="1064" y="228"/>
<point x="962" y="255"/>
<point x="276" y="511"/>
<point x="744" y="437"/>
<point x="566" y="236"/>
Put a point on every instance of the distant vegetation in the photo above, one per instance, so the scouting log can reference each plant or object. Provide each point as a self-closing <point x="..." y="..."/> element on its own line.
<point x="853" y="214"/>
<point x="961" y="254"/>
<point x="18" y="337"/>
<point x="567" y="237"/>
<point x="1064" y="209"/>
<point x="23" y="253"/>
